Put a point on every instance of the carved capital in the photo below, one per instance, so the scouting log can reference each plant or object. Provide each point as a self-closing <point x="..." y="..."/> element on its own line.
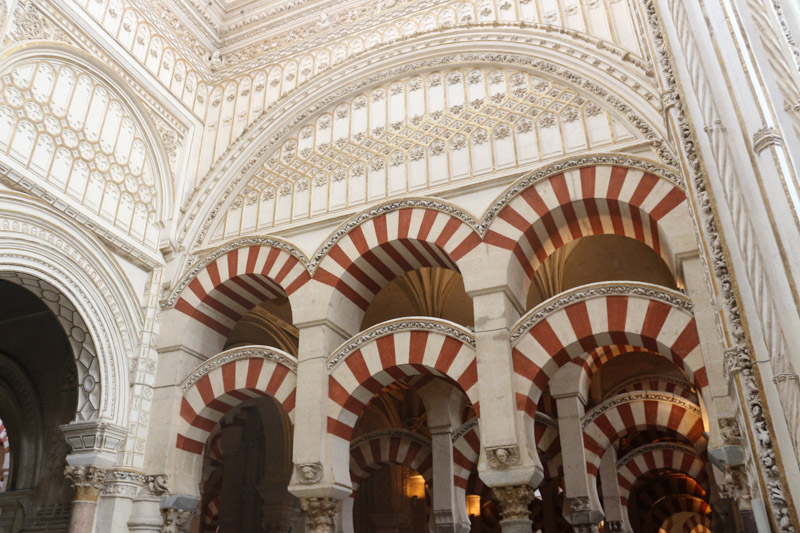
<point x="502" y="456"/>
<point x="158" y="484"/>
<point x="309" y="473"/>
<point x="321" y="513"/>
<point x="614" y="525"/>
<point x="123" y="483"/>
<point x="766" y="137"/>
<point x="87" y="481"/>
<point x="176" y="520"/>
<point x="513" y="501"/>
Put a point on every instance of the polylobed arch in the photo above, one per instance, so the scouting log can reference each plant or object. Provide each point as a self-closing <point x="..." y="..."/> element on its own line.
<point x="121" y="180"/>
<point x="228" y="282"/>
<point x="607" y="422"/>
<point x="227" y="379"/>
<point x="373" y="451"/>
<point x="570" y="327"/>
<point x="659" y="456"/>
<point x="375" y="247"/>
<point x="565" y="202"/>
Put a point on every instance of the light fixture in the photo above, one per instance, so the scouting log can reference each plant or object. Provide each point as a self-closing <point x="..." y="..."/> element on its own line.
<point x="415" y="486"/>
<point x="473" y="505"/>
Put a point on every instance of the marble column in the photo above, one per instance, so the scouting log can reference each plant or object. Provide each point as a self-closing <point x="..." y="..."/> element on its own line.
<point x="514" y="502"/>
<point x="320" y="514"/>
<point x="87" y="482"/>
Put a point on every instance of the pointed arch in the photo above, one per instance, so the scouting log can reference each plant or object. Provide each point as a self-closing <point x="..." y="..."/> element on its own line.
<point x="225" y="284"/>
<point x="607" y="422"/>
<point x="574" y="199"/>
<point x="570" y="327"/>
<point x="226" y="380"/>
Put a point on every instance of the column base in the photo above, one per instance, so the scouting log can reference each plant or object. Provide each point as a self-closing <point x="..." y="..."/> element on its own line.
<point x="586" y="528"/>
<point x="517" y="525"/>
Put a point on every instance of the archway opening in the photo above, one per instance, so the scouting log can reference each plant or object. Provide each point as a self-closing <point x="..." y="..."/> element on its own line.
<point x="247" y="466"/>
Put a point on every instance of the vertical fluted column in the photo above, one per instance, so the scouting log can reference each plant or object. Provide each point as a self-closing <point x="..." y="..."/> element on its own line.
<point x="514" y="502"/>
<point x="87" y="482"/>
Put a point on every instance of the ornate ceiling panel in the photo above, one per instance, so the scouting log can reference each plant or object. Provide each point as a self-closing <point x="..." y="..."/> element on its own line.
<point x="416" y="134"/>
<point x="81" y="139"/>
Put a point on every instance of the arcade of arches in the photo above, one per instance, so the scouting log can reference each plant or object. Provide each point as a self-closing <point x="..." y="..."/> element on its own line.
<point x="405" y="266"/>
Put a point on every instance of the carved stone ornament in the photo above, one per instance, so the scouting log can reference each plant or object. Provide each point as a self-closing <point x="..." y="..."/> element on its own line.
<point x="729" y="430"/>
<point x="87" y="481"/>
<point x="766" y="137"/>
<point x="579" y="504"/>
<point x="502" y="456"/>
<point x="513" y="501"/>
<point x="614" y="525"/>
<point x="309" y="473"/>
<point x="158" y="484"/>
<point x="123" y="483"/>
<point x="737" y="359"/>
<point x="321" y="513"/>
<point x="176" y="520"/>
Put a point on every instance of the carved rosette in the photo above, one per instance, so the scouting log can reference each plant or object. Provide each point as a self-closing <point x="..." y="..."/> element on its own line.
<point x="86" y="480"/>
<point x="513" y="501"/>
<point x="321" y="513"/>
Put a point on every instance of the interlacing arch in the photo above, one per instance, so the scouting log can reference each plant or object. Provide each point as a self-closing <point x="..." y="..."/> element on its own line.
<point x="659" y="456"/>
<point x="226" y="380"/>
<point x="373" y="248"/>
<point x="375" y="450"/>
<point x="606" y="423"/>
<point x="571" y="326"/>
<point x="393" y="351"/>
<point x="227" y="283"/>
<point x="546" y="210"/>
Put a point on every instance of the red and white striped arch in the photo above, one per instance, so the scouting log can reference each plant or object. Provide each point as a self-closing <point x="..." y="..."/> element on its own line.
<point x="656" y="384"/>
<point x="678" y="503"/>
<point x="397" y="447"/>
<point x="651" y="491"/>
<point x="6" y="467"/>
<point x="466" y="452"/>
<point x="393" y="351"/>
<point x="383" y="247"/>
<point x="230" y="284"/>
<point x="598" y="315"/>
<point x="225" y="381"/>
<point x="698" y="523"/>
<point x="654" y="457"/>
<point x="546" y="434"/>
<point x="211" y="515"/>
<point x="612" y="419"/>
<point x="594" y="200"/>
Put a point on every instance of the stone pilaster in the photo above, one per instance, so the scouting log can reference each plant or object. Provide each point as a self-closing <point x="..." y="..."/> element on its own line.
<point x="321" y="514"/>
<point x="514" y="501"/>
<point x="87" y="482"/>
